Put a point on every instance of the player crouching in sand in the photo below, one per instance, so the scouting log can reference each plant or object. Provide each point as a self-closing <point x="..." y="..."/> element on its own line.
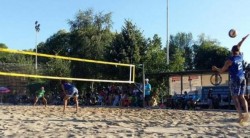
<point x="69" y="91"/>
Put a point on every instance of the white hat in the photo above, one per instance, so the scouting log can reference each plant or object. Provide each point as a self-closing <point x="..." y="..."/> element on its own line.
<point x="147" y="79"/>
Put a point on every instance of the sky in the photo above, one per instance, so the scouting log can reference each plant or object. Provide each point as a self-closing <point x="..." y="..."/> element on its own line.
<point x="214" y="18"/>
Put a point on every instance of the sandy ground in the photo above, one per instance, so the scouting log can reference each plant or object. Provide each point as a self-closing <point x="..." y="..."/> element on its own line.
<point x="29" y="121"/>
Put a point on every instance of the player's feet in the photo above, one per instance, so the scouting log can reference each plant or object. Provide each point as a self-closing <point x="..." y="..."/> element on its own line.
<point x="245" y="117"/>
<point x="243" y="123"/>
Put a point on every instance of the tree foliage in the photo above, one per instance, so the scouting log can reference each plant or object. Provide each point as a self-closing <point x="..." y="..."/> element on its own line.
<point x="57" y="44"/>
<point x="155" y="56"/>
<point x="209" y="53"/>
<point x="90" y="34"/>
<point x="129" y="46"/>
<point x="2" y="45"/>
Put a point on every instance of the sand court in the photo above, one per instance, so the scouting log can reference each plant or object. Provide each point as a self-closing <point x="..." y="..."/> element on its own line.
<point x="29" y="121"/>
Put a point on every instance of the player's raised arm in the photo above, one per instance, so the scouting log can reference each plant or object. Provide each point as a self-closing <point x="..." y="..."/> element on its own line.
<point x="243" y="39"/>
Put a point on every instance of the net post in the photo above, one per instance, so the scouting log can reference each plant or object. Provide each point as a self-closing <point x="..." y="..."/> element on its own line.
<point x="130" y="73"/>
<point x="133" y="73"/>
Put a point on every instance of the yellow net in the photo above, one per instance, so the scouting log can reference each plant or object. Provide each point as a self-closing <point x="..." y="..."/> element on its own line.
<point x="130" y="73"/>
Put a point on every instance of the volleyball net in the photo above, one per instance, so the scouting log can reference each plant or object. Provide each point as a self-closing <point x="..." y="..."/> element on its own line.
<point x="85" y="69"/>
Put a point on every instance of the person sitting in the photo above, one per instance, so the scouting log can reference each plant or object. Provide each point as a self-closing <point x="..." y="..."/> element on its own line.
<point x="116" y="98"/>
<point x="186" y="101"/>
<point x="88" y="98"/>
<point x="153" y="101"/>
<point x="216" y="101"/>
<point x="100" y="99"/>
<point x="123" y="99"/>
<point x="129" y="99"/>
<point x="109" y="99"/>
<point x="195" y="99"/>
<point x="174" y="101"/>
<point x="210" y="98"/>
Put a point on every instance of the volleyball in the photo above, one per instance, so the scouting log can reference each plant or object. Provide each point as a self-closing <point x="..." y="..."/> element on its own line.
<point x="232" y="33"/>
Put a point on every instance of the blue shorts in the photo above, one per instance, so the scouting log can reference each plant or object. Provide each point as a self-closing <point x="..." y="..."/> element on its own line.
<point x="237" y="86"/>
<point x="73" y="92"/>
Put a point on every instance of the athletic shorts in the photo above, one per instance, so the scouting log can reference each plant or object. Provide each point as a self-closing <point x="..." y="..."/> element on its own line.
<point x="40" y="95"/>
<point x="237" y="86"/>
<point x="147" y="98"/>
<point x="73" y="92"/>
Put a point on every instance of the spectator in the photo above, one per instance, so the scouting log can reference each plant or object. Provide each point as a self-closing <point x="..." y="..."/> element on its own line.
<point x="195" y="99"/>
<point x="153" y="101"/>
<point x="216" y="101"/>
<point x="186" y="101"/>
<point x="116" y="99"/>
<point x="210" y="98"/>
<point x="110" y="99"/>
<point x="174" y="100"/>
<point x="147" y="93"/>
<point x="123" y="98"/>
<point x="139" y="99"/>
<point x="88" y="98"/>
<point x="130" y="97"/>
<point x="100" y="99"/>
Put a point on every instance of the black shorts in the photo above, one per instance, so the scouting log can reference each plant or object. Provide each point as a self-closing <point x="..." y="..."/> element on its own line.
<point x="147" y="98"/>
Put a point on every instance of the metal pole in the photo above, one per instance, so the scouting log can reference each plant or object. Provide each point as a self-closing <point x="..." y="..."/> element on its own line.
<point x="167" y="37"/>
<point x="36" y="52"/>
<point x="143" y="80"/>
<point x="37" y="29"/>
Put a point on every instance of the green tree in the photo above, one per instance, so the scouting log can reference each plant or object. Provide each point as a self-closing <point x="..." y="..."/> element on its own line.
<point x="182" y="42"/>
<point x="58" y="67"/>
<point x="18" y="63"/>
<point x="178" y="63"/>
<point x="57" y="44"/>
<point x="3" y="56"/>
<point x="155" y="56"/>
<point x="2" y="45"/>
<point x="176" y="54"/>
<point x="90" y="35"/>
<point x="129" y="46"/>
<point x="209" y="53"/>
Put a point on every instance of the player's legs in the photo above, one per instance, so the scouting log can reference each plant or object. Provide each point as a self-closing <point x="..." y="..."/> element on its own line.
<point x="35" y="100"/>
<point x="76" y="101"/>
<point x="237" y="105"/>
<point x="235" y="89"/>
<point x="147" y="99"/>
<point x="44" y="101"/>
<point x="72" y="93"/>
<point x="65" y="102"/>
<point x="242" y="99"/>
<point x="244" y="104"/>
<point x="75" y="96"/>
